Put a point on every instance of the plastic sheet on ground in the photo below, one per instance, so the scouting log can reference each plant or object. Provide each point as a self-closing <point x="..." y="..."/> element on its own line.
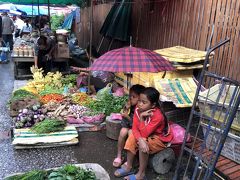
<point x="26" y="137"/>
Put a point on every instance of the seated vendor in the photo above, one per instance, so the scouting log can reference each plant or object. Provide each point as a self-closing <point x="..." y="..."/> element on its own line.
<point x="98" y="79"/>
<point x="44" y="53"/>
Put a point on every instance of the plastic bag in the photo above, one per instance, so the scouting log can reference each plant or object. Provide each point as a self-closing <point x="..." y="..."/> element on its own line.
<point x="3" y="56"/>
<point x="119" y="92"/>
<point x="178" y="134"/>
<point x="96" y="119"/>
<point x="115" y="116"/>
<point x="107" y="90"/>
<point x="106" y="77"/>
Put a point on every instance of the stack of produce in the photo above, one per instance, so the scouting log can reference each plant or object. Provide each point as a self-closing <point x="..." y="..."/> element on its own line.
<point x="69" y="80"/>
<point x="81" y="98"/>
<point x="107" y="104"/>
<point x="51" y="97"/>
<point x="21" y="99"/>
<point x="28" y="117"/>
<point x="39" y="81"/>
<point x="57" y="110"/>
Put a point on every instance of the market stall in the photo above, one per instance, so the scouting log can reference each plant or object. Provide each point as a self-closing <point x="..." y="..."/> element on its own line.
<point x="23" y="56"/>
<point x="49" y="110"/>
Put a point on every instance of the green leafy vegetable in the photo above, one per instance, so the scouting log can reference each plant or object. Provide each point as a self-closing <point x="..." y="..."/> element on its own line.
<point x="71" y="172"/>
<point x="48" y="126"/>
<point x="48" y="89"/>
<point x="21" y="94"/>
<point x="56" y="21"/>
<point x="108" y="104"/>
<point x="69" y="80"/>
<point x="35" y="174"/>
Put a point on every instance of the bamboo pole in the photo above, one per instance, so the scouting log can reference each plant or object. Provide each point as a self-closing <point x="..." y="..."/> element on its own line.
<point x="49" y="14"/>
<point x="90" y="42"/>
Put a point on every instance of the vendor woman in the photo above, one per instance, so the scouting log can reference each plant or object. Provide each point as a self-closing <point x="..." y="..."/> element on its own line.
<point x="44" y="53"/>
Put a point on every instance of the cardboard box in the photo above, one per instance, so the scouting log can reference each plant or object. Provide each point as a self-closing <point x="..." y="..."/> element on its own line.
<point x="62" y="51"/>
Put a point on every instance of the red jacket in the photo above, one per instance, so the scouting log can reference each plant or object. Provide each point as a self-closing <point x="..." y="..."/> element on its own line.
<point x="152" y="126"/>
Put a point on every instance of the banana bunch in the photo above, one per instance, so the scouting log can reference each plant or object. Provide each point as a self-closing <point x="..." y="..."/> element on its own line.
<point x="53" y="79"/>
<point x="37" y="74"/>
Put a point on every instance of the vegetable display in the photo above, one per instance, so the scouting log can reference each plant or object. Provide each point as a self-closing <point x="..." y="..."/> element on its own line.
<point x="48" y="126"/>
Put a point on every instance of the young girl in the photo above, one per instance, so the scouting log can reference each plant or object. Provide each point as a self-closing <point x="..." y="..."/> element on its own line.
<point x="149" y="135"/>
<point x="127" y="114"/>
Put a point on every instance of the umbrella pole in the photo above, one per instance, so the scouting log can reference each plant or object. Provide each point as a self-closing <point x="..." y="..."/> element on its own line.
<point x="90" y="42"/>
<point x="110" y="44"/>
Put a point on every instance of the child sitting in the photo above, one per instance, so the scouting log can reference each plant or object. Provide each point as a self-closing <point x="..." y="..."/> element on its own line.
<point x="127" y="114"/>
<point x="150" y="133"/>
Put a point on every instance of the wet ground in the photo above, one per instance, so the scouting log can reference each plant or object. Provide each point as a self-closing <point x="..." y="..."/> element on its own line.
<point x="94" y="147"/>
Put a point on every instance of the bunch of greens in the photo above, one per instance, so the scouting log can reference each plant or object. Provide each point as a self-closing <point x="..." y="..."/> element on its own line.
<point x="48" y="126"/>
<point x="56" y="21"/>
<point x="72" y="172"/>
<point x="69" y="80"/>
<point x="108" y="104"/>
<point x="48" y="89"/>
<point x="21" y="94"/>
<point x="35" y="174"/>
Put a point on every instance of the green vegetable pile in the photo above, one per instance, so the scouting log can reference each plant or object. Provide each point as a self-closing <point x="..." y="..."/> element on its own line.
<point x="21" y="94"/>
<point x="48" y="126"/>
<point x="56" y="21"/>
<point x="72" y="172"/>
<point x="69" y="80"/>
<point x="108" y="104"/>
<point x="67" y="172"/>
<point x="50" y="90"/>
<point x="35" y="174"/>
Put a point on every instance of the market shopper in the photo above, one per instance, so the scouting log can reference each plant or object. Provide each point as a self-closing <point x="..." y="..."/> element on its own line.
<point x="26" y="29"/>
<point x="7" y="30"/>
<point x="44" y="53"/>
<point x="150" y="133"/>
<point x="127" y="115"/>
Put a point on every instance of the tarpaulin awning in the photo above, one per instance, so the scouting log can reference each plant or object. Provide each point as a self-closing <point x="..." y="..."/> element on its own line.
<point x="117" y="22"/>
<point x="41" y="1"/>
<point x="67" y="24"/>
<point x="10" y="8"/>
<point x="32" y="10"/>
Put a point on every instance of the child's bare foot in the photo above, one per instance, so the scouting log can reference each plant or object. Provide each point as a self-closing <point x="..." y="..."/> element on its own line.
<point x="117" y="162"/>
